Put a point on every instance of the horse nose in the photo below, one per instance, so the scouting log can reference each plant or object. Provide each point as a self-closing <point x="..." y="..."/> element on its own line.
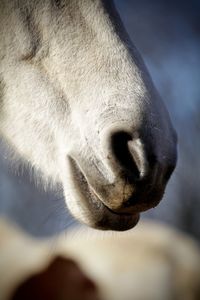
<point x="141" y="168"/>
<point x="129" y="155"/>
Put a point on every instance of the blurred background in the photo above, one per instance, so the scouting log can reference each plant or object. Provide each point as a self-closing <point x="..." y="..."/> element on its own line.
<point x="167" y="34"/>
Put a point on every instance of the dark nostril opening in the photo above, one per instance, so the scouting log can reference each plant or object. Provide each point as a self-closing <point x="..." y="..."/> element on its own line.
<point x="119" y="142"/>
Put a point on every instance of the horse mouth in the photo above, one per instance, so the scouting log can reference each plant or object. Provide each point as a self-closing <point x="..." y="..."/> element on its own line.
<point x="111" y="220"/>
<point x="93" y="211"/>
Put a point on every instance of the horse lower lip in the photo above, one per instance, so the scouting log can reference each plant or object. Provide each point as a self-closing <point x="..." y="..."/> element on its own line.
<point x="117" y="222"/>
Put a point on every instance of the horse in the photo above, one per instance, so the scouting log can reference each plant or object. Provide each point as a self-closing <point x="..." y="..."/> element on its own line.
<point x="78" y="105"/>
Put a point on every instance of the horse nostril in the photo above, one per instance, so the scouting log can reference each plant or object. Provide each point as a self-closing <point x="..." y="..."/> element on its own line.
<point x="139" y="162"/>
<point x="119" y="143"/>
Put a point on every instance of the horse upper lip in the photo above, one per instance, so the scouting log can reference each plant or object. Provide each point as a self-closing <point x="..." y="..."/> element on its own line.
<point x="113" y="211"/>
<point x="128" y="215"/>
<point x="97" y="198"/>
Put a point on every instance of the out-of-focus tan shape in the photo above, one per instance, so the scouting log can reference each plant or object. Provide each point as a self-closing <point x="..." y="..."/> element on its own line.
<point x="150" y="262"/>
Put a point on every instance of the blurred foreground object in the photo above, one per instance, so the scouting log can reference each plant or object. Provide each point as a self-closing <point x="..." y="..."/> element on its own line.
<point x="29" y="270"/>
<point x="151" y="262"/>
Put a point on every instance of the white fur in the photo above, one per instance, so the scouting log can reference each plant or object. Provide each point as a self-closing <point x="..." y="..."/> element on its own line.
<point x="67" y="81"/>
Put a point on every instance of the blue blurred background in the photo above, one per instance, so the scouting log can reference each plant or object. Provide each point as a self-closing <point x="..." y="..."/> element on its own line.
<point x="167" y="34"/>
